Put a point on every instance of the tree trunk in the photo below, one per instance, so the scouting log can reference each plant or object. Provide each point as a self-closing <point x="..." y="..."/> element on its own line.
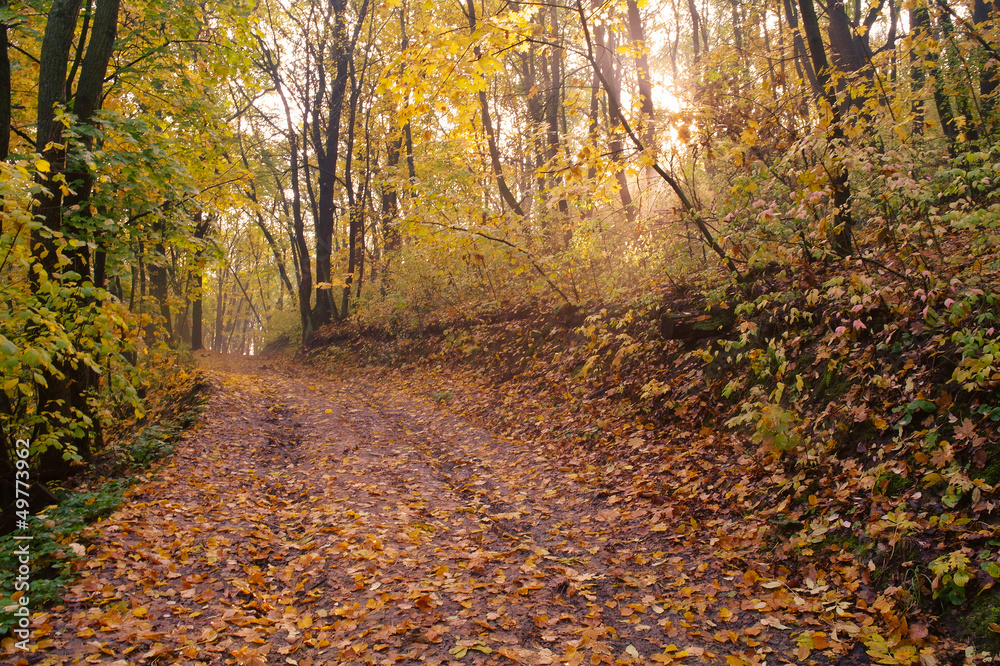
<point x="645" y="82"/>
<point x="327" y="154"/>
<point x="355" y="225"/>
<point x="606" y="46"/>
<point x="644" y="85"/>
<point x="593" y="118"/>
<point x="922" y="25"/>
<point x="52" y="73"/>
<point x="695" y="29"/>
<point x="801" y="54"/>
<point x="197" y="336"/>
<point x="849" y="49"/>
<point x="411" y="167"/>
<point x="197" y="315"/>
<point x="5" y="89"/>
<point x="159" y="291"/>
<point x="536" y="114"/>
<point x="343" y="50"/>
<point x="67" y="390"/>
<point x="300" y="248"/>
<point x="218" y="339"/>
<point x="390" y="201"/>
<point x="491" y="140"/>
<point x="965" y="105"/>
<point x="841" y="235"/>
<point x="983" y="11"/>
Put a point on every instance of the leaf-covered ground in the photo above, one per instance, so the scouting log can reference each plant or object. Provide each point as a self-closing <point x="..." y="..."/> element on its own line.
<point x="308" y="520"/>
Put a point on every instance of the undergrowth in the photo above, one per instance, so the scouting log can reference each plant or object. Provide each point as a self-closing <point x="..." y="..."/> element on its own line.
<point x="849" y="406"/>
<point x="59" y="534"/>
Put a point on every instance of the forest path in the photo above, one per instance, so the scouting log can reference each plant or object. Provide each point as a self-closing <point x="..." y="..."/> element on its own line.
<point x="312" y="521"/>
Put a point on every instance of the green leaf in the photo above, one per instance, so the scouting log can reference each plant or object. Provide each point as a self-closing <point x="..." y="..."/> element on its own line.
<point x="31" y="357"/>
<point x="961" y="578"/>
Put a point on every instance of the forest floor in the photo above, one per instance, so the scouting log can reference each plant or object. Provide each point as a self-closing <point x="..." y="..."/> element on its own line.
<point x="361" y="519"/>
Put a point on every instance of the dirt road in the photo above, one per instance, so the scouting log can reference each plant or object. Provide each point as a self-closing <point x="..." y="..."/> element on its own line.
<point x="310" y="521"/>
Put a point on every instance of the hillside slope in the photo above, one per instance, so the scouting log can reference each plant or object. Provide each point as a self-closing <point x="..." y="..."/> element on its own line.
<point x="847" y="419"/>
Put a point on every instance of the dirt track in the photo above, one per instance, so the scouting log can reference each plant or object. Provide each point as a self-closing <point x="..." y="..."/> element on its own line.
<point x="309" y="521"/>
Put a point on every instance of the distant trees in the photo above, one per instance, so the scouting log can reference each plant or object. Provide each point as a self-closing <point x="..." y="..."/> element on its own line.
<point x="209" y="172"/>
<point x="515" y="122"/>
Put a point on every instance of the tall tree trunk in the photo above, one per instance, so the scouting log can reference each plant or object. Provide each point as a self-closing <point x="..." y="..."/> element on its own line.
<point x="594" y="118"/>
<point x="390" y="201"/>
<point x="737" y="23"/>
<point x="983" y="11"/>
<point x="197" y="314"/>
<point x="536" y="114"/>
<point x="553" y="107"/>
<point x="353" y="214"/>
<point x="356" y="203"/>
<point x="802" y="60"/>
<point x="922" y="25"/>
<point x="841" y="235"/>
<point x="279" y="258"/>
<point x="52" y="72"/>
<point x="695" y="29"/>
<point x="391" y="239"/>
<point x="67" y="389"/>
<point x="644" y="85"/>
<point x="159" y="291"/>
<point x="327" y="154"/>
<point x="645" y="82"/>
<point x="850" y="54"/>
<point x="300" y="248"/>
<point x="605" y="43"/>
<point x="491" y="140"/>
<point x="218" y="336"/>
<point x="343" y="50"/>
<point x="965" y="105"/>
<point x="5" y="89"/>
<point x="411" y="167"/>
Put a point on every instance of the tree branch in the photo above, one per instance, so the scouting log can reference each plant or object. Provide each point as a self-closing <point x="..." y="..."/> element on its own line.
<point x="502" y="241"/>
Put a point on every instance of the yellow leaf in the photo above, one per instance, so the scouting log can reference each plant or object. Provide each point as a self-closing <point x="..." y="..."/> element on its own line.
<point x="43" y="166"/>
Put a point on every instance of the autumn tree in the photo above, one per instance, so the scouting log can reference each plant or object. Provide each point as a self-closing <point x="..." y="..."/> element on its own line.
<point x="111" y="213"/>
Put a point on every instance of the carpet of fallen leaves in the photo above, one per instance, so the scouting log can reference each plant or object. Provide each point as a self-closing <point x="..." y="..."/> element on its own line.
<point x="364" y="519"/>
